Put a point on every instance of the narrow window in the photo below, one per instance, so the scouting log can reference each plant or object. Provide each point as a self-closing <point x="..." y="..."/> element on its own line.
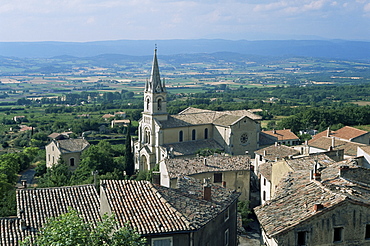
<point x="159" y="104"/>
<point x="264" y="195"/>
<point x="226" y="238"/>
<point x="193" y="134"/>
<point x="49" y="157"/>
<point x="147" y="104"/>
<point x="338" y="234"/>
<point x="264" y="181"/>
<point x="302" y="238"/>
<point x="260" y="157"/>
<point x="181" y="136"/>
<point x="227" y="214"/>
<point x="367" y="232"/>
<point x="72" y="162"/>
<point x="217" y="177"/>
<point x="206" y="133"/>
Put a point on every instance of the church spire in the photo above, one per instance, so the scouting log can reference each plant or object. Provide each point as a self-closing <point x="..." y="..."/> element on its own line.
<point x="155" y="84"/>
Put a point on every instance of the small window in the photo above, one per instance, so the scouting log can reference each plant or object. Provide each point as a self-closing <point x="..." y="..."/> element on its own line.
<point x="72" y="162"/>
<point x="260" y="157"/>
<point x="49" y="157"/>
<point x="264" y="181"/>
<point x="338" y="234"/>
<point x="181" y="136"/>
<point x="193" y="134"/>
<point x="227" y="214"/>
<point x="217" y="177"/>
<point x="147" y="104"/>
<point x="206" y="134"/>
<point x="164" y="241"/>
<point x="367" y="232"/>
<point x="302" y="238"/>
<point x="264" y="195"/>
<point x="159" y="104"/>
<point x="226" y="237"/>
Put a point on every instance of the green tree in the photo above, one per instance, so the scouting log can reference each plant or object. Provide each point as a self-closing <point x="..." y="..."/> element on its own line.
<point x="58" y="175"/>
<point x="70" y="229"/>
<point x="129" y="156"/>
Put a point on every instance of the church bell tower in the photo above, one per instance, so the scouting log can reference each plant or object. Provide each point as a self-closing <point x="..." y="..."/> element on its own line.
<point x="155" y="95"/>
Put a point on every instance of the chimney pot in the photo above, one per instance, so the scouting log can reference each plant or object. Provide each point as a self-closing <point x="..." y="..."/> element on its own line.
<point x="207" y="193"/>
<point x="224" y="184"/>
<point x="317" y="176"/>
<point x="24" y="183"/>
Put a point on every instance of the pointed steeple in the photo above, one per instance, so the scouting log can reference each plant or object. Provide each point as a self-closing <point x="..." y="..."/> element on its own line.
<point x="154" y="84"/>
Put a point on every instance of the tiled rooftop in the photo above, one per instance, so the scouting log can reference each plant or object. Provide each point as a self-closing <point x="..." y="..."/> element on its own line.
<point x="72" y="145"/>
<point x="157" y="209"/>
<point x="297" y="194"/>
<point x="266" y="170"/>
<point x="350" y="148"/>
<point x="277" y="151"/>
<point x="177" y="167"/>
<point x="194" y="116"/>
<point x="346" y="132"/>
<point x="11" y="231"/>
<point x="36" y="205"/>
<point x="282" y="135"/>
<point x="307" y="162"/>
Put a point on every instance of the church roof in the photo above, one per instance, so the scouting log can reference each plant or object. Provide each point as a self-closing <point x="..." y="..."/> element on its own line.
<point x="156" y="209"/>
<point x="195" y="116"/>
<point x="191" y="147"/>
<point x="180" y="166"/>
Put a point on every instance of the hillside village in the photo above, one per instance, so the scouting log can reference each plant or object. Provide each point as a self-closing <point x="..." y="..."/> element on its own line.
<point x="310" y="193"/>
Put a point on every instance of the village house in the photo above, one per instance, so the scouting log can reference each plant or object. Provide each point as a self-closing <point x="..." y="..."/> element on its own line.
<point x="68" y="150"/>
<point x="328" y="205"/>
<point x="161" y="135"/>
<point x="346" y="133"/>
<point x="193" y="214"/>
<point x="119" y="123"/>
<point x="324" y="143"/>
<point x="364" y="151"/>
<point x="232" y="172"/>
<point x="285" y="137"/>
<point x="271" y="173"/>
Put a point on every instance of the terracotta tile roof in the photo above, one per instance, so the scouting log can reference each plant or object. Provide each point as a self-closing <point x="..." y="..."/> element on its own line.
<point x="107" y="116"/>
<point x="282" y="135"/>
<point x="191" y="147"/>
<point x="324" y="143"/>
<point x="194" y="116"/>
<point x="280" y="151"/>
<point x="157" y="209"/>
<point x="179" y="167"/>
<point x="307" y="162"/>
<point x="297" y="194"/>
<point x="11" y="231"/>
<point x="347" y="133"/>
<point x="34" y="206"/>
<point x="72" y="145"/>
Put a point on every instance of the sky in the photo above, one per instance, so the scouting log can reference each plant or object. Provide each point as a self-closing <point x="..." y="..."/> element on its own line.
<point x="97" y="20"/>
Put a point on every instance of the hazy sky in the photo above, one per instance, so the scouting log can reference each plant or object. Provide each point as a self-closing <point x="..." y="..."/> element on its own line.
<point x="91" y="20"/>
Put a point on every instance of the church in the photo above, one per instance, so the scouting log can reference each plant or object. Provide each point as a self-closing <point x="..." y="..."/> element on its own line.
<point x="161" y="135"/>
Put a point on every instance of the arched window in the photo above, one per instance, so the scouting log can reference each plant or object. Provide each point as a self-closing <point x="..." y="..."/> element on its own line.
<point x="181" y="136"/>
<point x="193" y="134"/>
<point x="147" y="104"/>
<point x="206" y="133"/>
<point x="159" y="104"/>
<point x="147" y="136"/>
<point x="72" y="162"/>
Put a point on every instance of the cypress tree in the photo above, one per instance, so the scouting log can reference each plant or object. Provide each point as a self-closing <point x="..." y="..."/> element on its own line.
<point x="129" y="156"/>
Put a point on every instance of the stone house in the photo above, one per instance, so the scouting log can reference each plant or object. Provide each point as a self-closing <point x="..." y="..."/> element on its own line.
<point x="271" y="173"/>
<point x="69" y="150"/>
<point x="193" y="214"/>
<point x="364" y="151"/>
<point x="161" y="135"/>
<point x="232" y="172"/>
<point x="327" y="206"/>
<point x="285" y="137"/>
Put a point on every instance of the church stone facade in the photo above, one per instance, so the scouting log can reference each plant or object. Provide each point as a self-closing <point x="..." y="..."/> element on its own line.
<point x="161" y="135"/>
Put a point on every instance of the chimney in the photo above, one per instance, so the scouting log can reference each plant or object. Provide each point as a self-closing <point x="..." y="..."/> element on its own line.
<point x="207" y="192"/>
<point x="205" y="161"/>
<point x="24" y="183"/>
<point x="317" y="207"/>
<point x="276" y="144"/>
<point x="273" y="131"/>
<point x="342" y="169"/>
<point x="333" y="142"/>
<point x="328" y="132"/>
<point x="156" y="178"/>
<point x="224" y="184"/>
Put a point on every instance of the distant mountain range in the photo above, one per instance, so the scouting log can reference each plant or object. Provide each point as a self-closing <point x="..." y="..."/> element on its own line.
<point x="335" y="49"/>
